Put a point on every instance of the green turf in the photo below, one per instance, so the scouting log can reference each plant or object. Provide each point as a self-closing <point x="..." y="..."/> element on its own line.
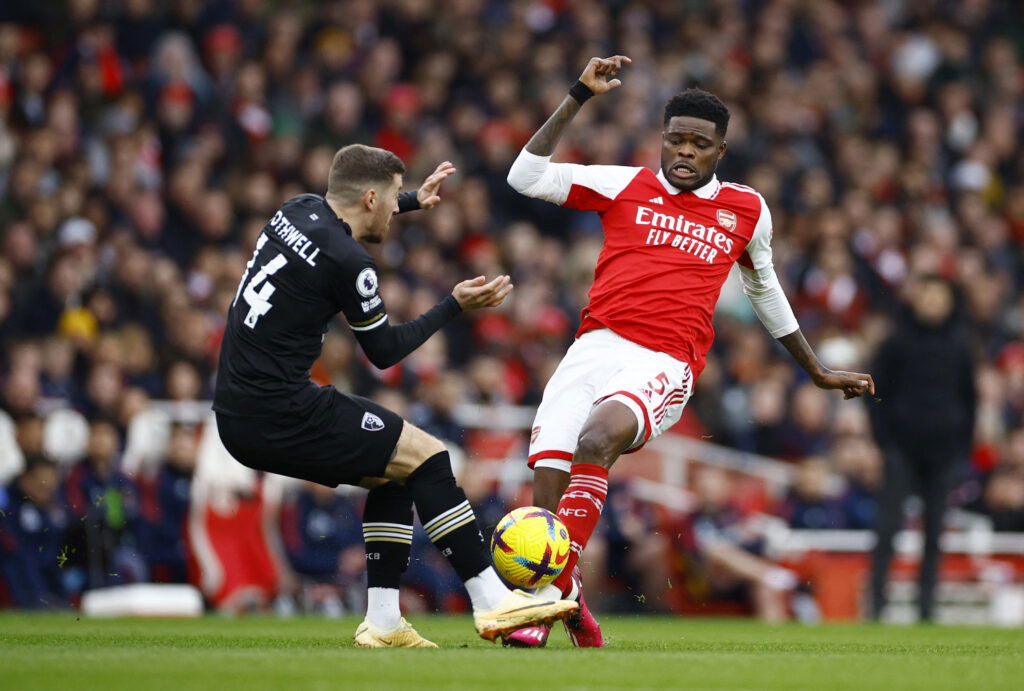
<point x="64" y="652"/>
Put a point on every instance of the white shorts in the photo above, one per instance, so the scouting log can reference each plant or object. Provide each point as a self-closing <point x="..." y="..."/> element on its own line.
<point x="600" y="366"/>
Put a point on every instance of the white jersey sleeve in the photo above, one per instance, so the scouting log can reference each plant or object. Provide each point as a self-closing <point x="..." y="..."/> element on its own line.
<point x="761" y="285"/>
<point x="588" y="188"/>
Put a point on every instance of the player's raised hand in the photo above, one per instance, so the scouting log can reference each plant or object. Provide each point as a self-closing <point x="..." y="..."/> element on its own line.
<point x="598" y="73"/>
<point x="476" y="293"/>
<point x="427" y="193"/>
<point x="852" y="384"/>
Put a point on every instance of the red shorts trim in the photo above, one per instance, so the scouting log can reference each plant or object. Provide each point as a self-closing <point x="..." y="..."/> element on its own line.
<point x="647" y="419"/>
<point x="560" y="455"/>
<point x="671" y="398"/>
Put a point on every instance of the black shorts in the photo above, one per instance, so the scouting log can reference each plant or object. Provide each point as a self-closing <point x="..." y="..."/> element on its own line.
<point x="340" y="440"/>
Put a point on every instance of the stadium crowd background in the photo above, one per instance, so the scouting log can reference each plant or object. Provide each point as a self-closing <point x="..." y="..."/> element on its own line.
<point x="144" y="144"/>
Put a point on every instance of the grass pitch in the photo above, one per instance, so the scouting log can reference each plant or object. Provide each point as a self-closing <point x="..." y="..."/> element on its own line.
<point x="64" y="652"/>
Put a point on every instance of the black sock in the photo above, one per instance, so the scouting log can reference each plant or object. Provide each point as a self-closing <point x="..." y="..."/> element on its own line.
<point x="387" y="532"/>
<point x="447" y="516"/>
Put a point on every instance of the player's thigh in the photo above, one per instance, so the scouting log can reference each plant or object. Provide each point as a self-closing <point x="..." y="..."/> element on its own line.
<point x="341" y="440"/>
<point x="413" y="448"/>
<point x="567" y="400"/>
<point x="655" y="388"/>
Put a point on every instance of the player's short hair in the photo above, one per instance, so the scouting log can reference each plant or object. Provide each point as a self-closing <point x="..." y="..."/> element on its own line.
<point x="697" y="103"/>
<point x="356" y="168"/>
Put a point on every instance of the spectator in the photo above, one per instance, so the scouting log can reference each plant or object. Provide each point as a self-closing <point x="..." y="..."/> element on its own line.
<point x="32" y="547"/>
<point x="164" y="504"/>
<point x="810" y="504"/>
<point x="727" y="551"/>
<point x="858" y="461"/>
<point x="1004" y="500"/>
<point x="103" y="513"/>
<point x="634" y="551"/>
<point x="324" y="542"/>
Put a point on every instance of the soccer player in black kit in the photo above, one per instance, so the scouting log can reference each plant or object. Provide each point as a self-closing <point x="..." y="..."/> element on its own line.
<point x="308" y="266"/>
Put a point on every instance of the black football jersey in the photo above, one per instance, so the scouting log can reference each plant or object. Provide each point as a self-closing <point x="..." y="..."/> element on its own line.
<point x="306" y="268"/>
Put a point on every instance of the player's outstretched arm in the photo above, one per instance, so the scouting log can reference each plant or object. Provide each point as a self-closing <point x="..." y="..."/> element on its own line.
<point x="852" y="384"/>
<point x="532" y="173"/>
<point x="386" y="344"/>
<point x="594" y="80"/>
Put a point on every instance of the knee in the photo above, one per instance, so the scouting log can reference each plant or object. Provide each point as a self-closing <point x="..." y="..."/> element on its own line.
<point x="415" y="447"/>
<point x="600" y="445"/>
<point x="430" y="446"/>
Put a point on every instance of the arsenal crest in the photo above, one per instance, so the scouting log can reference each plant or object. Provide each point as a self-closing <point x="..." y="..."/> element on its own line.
<point x="727" y="219"/>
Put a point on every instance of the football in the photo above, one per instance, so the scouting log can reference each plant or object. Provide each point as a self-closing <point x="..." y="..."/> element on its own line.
<point x="529" y="547"/>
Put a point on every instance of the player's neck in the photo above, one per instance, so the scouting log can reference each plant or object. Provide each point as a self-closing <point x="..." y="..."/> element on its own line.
<point x="353" y="215"/>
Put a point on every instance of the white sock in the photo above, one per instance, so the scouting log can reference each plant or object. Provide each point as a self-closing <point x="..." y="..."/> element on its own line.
<point x="382" y="607"/>
<point x="550" y="592"/>
<point x="779" y="578"/>
<point x="574" y="591"/>
<point x="486" y="590"/>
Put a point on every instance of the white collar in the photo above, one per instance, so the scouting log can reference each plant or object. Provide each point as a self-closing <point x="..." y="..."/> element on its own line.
<point x="705" y="191"/>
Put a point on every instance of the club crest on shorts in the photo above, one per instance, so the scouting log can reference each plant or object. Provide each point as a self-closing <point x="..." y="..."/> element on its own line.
<point x="726" y="219"/>
<point x="372" y="423"/>
<point x="366" y="282"/>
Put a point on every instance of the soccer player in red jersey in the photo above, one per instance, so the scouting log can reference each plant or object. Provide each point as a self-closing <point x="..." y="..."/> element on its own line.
<point x="670" y="239"/>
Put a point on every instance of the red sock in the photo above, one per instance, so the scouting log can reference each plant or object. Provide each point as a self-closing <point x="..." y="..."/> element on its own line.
<point x="580" y="510"/>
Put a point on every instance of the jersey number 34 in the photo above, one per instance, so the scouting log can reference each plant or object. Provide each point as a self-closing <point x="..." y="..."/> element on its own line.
<point x="258" y="296"/>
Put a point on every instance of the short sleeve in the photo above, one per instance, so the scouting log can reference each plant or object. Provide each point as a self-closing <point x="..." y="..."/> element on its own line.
<point x="594" y="188"/>
<point x="574" y="186"/>
<point x="356" y="287"/>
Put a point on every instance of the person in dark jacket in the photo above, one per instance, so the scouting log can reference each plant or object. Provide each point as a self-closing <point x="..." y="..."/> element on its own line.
<point x="923" y="421"/>
<point x="103" y="514"/>
<point x="32" y="547"/>
<point x="164" y="501"/>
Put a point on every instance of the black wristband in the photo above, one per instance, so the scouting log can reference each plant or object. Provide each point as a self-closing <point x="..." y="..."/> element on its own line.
<point x="407" y="201"/>
<point x="580" y="92"/>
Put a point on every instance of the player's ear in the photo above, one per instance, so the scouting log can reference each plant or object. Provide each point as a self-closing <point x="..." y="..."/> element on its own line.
<point x="722" y="147"/>
<point x="370" y="199"/>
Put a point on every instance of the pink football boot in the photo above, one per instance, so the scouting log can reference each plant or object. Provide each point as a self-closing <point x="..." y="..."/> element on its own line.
<point x="582" y="627"/>
<point x="530" y="637"/>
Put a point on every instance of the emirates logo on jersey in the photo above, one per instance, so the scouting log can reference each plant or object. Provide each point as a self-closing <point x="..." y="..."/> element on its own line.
<point x="727" y="219"/>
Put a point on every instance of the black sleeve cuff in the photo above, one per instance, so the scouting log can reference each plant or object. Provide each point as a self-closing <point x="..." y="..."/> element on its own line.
<point x="407" y="201"/>
<point x="451" y="305"/>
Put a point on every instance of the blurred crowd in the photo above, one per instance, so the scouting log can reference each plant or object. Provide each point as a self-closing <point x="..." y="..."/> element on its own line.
<point x="144" y="144"/>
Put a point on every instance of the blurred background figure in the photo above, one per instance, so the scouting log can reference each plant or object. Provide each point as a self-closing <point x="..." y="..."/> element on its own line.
<point x="323" y="539"/>
<point x="811" y="503"/>
<point x="165" y="501"/>
<point x="923" y="421"/>
<point x="103" y="505"/>
<point x="32" y="546"/>
<point x="724" y="553"/>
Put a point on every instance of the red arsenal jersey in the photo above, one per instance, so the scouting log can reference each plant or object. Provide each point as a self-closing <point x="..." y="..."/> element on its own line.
<point x="666" y="252"/>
